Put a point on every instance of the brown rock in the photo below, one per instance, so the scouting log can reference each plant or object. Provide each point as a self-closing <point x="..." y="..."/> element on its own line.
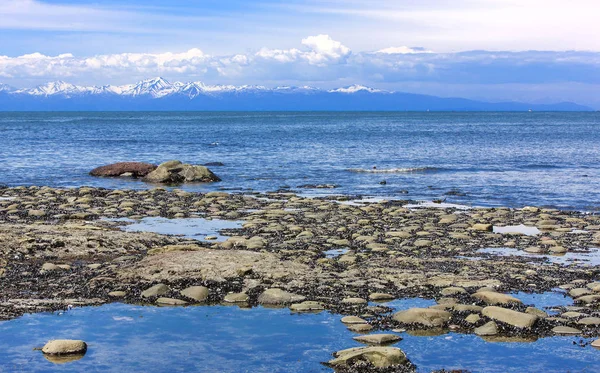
<point x="136" y="169"/>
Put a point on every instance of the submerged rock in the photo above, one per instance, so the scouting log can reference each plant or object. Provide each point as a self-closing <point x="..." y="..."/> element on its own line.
<point x="380" y="357"/>
<point x="64" y="347"/>
<point x="175" y="172"/>
<point x="124" y="169"/>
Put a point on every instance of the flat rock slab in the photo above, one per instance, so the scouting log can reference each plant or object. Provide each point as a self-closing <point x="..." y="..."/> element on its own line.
<point x="423" y="316"/>
<point x="592" y="298"/>
<point x="359" y="328"/>
<point x="514" y="318"/>
<point x="117" y="294"/>
<point x="589" y="321"/>
<point x="64" y="347"/>
<point x="378" y="339"/>
<point x="596" y="343"/>
<point x="381" y="296"/>
<point x="492" y="298"/>
<point x="354" y="301"/>
<point x="353" y="320"/>
<point x="566" y="330"/>
<point x="380" y="357"/>
<point x="171" y="301"/>
<point x="307" y="306"/>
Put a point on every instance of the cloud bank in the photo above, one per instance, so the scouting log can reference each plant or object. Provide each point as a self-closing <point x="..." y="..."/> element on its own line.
<point x="317" y="60"/>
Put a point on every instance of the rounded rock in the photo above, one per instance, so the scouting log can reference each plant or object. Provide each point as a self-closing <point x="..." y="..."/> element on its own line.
<point x="64" y="347"/>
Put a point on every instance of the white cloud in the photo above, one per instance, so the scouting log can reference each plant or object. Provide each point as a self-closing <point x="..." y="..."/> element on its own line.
<point x="324" y="50"/>
<point x="67" y="65"/>
<point x="403" y="50"/>
<point x="320" y="50"/>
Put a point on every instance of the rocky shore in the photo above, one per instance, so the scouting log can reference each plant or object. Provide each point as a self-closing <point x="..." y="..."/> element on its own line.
<point x="61" y="247"/>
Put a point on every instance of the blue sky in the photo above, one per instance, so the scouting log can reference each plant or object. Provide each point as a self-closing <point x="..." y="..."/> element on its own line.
<point x="533" y="50"/>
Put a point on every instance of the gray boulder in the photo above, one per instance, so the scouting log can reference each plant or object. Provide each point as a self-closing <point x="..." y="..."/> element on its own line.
<point x="175" y="172"/>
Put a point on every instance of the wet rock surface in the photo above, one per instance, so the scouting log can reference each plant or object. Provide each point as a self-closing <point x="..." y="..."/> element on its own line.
<point x="66" y="246"/>
<point x="124" y="169"/>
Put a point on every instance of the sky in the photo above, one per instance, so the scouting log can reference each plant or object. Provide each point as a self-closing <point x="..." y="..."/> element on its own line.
<point x="538" y="51"/>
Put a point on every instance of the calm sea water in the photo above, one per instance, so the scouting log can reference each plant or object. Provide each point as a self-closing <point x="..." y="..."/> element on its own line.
<point x="128" y="338"/>
<point x="509" y="159"/>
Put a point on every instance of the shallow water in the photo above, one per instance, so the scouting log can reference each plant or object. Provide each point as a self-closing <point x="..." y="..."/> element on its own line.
<point x="545" y="301"/>
<point x="334" y="253"/>
<point x="231" y="339"/>
<point x="523" y="229"/>
<point x="195" y="228"/>
<point x="590" y="258"/>
<point x="479" y="159"/>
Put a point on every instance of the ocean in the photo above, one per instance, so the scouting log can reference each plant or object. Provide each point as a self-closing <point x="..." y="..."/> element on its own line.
<point x="479" y="159"/>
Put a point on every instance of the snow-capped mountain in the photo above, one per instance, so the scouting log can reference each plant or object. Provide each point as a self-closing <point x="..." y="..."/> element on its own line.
<point x="156" y="88"/>
<point x="6" y="88"/>
<point x="160" y="94"/>
<point x="355" y="88"/>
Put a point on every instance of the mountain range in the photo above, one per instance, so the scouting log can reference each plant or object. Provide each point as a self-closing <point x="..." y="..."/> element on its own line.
<point x="160" y="94"/>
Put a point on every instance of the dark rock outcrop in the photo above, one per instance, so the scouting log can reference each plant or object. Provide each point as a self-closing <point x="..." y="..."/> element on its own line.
<point x="131" y="169"/>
